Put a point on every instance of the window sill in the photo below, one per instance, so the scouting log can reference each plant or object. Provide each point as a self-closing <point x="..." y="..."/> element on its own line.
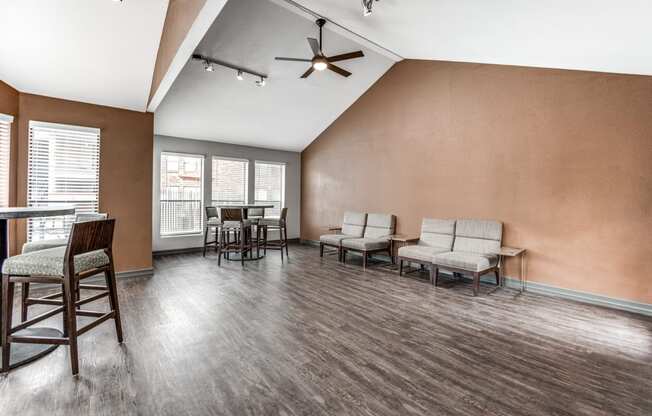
<point x="197" y="234"/>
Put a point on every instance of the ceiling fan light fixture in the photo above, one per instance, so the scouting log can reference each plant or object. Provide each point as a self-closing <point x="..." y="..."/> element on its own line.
<point x="320" y="63"/>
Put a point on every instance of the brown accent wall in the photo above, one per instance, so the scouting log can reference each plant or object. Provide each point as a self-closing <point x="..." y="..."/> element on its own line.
<point x="9" y="105"/>
<point x="180" y="16"/>
<point x="125" y="169"/>
<point x="563" y="158"/>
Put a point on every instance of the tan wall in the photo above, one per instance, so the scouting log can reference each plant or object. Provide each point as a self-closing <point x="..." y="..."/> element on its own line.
<point x="9" y="105"/>
<point x="125" y="169"/>
<point x="563" y="158"/>
<point x="179" y="18"/>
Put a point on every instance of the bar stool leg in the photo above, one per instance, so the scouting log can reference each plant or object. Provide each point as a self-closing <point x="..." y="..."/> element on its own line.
<point x="113" y="300"/>
<point x="7" y="303"/>
<point x="285" y="231"/>
<point x="69" y="305"/>
<point x="24" y="295"/>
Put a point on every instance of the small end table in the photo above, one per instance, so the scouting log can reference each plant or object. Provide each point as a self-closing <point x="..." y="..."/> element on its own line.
<point x="512" y="252"/>
<point x="399" y="240"/>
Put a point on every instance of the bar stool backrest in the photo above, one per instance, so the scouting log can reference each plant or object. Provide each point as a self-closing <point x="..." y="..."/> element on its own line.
<point x="90" y="216"/>
<point x="284" y="215"/>
<point x="90" y="236"/>
<point x="256" y="213"/>
<point x="211" y="212"/>
<point x="231" y="214"/>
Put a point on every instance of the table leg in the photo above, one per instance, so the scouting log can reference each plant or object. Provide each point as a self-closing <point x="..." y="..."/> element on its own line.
<point x="523" y="272"/>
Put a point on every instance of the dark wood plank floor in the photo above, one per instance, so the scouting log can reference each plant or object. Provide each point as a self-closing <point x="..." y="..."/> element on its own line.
<point x="313" y="337"/>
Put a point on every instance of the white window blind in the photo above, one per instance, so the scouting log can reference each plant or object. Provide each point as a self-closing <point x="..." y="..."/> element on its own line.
<point x="5" y="140"/>
<point x="230" y="181"/>
<point x="270" y="186"/>
<point x="63" y="169"/>
<point x="181" y="192"/>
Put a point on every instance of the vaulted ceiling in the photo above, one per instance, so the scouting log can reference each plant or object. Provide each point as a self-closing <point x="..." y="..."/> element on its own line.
<point x="93" y="51"/>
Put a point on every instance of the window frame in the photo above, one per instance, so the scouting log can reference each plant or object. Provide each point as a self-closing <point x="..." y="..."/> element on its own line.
<point x="7" y="119"/>
<point x="283" y="181"/>
<point x="247" y="182"/>
<point x="35" y="125"/>
<point x="201" y="157"/>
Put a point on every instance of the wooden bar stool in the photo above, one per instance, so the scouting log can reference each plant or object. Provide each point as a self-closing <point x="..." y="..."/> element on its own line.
<point x="87" y="253"/>
<point x="232" y="221"/>
<point x="276" y="224"/>
<point x="212" y="225"/>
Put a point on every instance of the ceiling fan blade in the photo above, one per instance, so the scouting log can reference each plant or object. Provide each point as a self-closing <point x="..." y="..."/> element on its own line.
<point x="308" y="72"/>
<point x="339" y="70"/>
<point x="346" y="56"/>
<point x="278" y="58"/>
<point x="314" y="45"/>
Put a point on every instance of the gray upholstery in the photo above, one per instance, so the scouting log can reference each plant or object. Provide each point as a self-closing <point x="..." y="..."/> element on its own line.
<point x="437" y="233"/>
<point x="421" y="252"/>
<point x="49" y="262"/>
<point x="354" y="224"/>
<point x="213" y="222"/>
<point x="478" y="236"/>
<point x="365" y="244"/>
<point x="467" y="261"/>
<point x="379" y="226"/>
<point x="271" y="222"/>
<point x="58" y="242"/>
<point x="333" y="239"/>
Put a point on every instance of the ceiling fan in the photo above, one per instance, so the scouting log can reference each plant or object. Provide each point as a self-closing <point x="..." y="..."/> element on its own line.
<point x="320" y="61"/>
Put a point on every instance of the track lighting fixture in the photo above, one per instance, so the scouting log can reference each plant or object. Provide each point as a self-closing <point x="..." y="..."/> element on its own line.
<point x="367" y="6"/>
<point x="261" y="82"/>
<point x="210" y="63"/>
<point x="208" y="66"/>
<point x="239" y="76"/>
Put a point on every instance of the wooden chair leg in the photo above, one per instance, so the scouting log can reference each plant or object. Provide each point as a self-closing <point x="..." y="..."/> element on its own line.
<point x="71" y="323"/>
<point x="343" y="255"/>
<point x="113" y="301"/>
<point x="280" y="240"/>
<point x="219" y="249"/>
<point x="205" y="241"/>
<point x="497" y="277"/>
<point x="476" y="283"/>
<point x="434" y="279"/>
<point x="364" y="260"/>
<point x="24" y="295"/>
<point x="285" y="241"/>
<point x="7" y="306"/>
<point x="242" y="238"/>
<point x="400" y="267"/>
<point x="321" y="250"/>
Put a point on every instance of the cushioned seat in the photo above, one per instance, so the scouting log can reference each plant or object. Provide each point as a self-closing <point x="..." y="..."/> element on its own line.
<point x="213" y="222"/>
<point x="44" y="244"/>
<point x="365" y="244"/>
<point x="333" y="239"/>
<point x="467" y="261"/>
<point x="270" y="222"/>
<point x="421" y="252"/>
<point x="49" y="262"/>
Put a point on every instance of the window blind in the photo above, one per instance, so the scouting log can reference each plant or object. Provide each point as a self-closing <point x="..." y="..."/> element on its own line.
<point x="270" y="186"/>
<point x="181" y="198"/>
<point x="230" y="181"/>
<point x="5" y="143"/>
<point x="63" y="169"/>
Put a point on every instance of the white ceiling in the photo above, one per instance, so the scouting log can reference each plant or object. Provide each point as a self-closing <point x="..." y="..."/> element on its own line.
<point x="286" y="114"/>
<point x="594" y="35"/>
<point x="93" y="51"/>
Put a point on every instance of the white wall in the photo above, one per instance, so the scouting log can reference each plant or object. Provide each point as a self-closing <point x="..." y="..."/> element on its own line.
<point x="210" y="149"/>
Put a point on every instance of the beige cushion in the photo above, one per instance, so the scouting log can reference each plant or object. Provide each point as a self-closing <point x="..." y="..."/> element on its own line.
<point x="365" y="244"/>
<point x="49" y="262"/>
<point x="472" y="262"/>
<point x="423" y="253"/>
<point x="333" y="239"/>
<point x="44" y="244"/>
<point x="379" y="225"/>
<point x="354" y="224"/>
<point x="437" y="233"/>
<point x="478" y="236"/>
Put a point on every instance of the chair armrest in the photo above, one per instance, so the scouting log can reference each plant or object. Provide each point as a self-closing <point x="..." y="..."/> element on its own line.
<point x="334" y="228"/>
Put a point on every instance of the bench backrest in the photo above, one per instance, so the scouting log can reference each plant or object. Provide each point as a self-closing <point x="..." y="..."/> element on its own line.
<point x="379" y="225"/>
<point x="354" y="223"/>
<point x="437" y="233"/>
<point x="478" y="236"/>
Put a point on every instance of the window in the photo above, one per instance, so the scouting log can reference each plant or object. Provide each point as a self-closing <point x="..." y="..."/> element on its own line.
<point x="63" y="169"/>
<point x="230" y="181"/>
<point x="181" y="196"/>
<point x="270" y="186"/>
<point x="5" y="140"/>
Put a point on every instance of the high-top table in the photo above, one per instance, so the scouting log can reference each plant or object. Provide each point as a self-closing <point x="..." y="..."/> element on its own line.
<point x="245" y="212"/>
<point x="25" y="353"/>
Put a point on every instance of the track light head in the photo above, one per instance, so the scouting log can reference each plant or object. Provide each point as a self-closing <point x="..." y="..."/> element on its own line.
<point x="367" y="6"/>
<point x="261" y="82"/>
<point x="208" y="66"/>
<point x="240" y="77"/>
